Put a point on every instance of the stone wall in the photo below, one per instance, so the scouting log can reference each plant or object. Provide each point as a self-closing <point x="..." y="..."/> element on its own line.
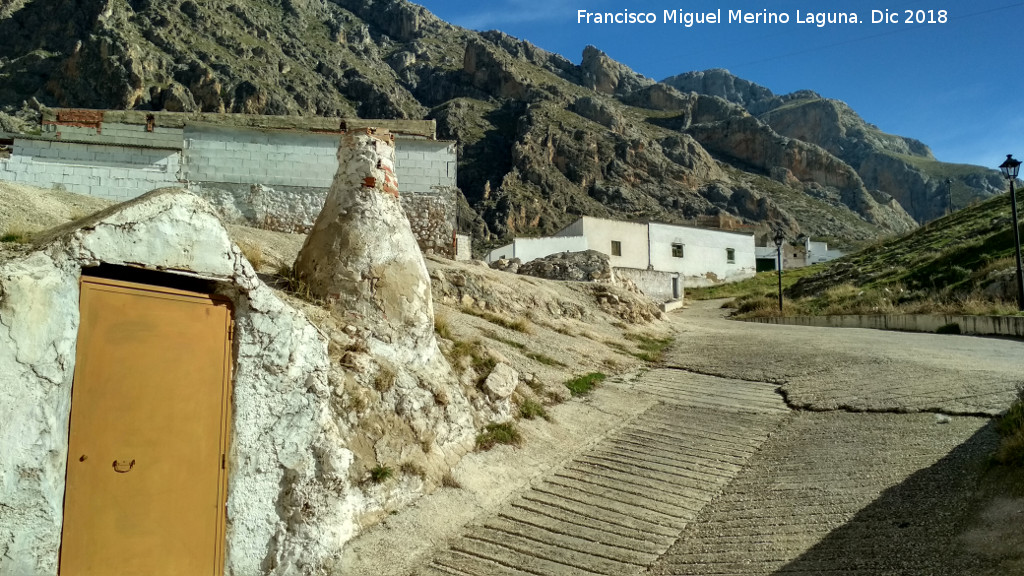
<point x="432" y="218"/>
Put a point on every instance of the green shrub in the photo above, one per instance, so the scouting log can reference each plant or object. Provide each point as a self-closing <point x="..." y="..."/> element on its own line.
<point x="582" y="385"/>
<point x="495" y="434"/>
<point x="381" y="473"/>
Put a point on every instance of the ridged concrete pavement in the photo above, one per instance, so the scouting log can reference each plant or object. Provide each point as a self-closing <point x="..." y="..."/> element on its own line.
<point x="845" y="494"/>
<point x="618" y="507"/>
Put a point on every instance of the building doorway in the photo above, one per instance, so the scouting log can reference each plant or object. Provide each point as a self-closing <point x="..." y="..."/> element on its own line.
<point x="146" y="478"/>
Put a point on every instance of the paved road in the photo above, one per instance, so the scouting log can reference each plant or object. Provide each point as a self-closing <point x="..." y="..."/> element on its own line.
<point x="855" y="476"/>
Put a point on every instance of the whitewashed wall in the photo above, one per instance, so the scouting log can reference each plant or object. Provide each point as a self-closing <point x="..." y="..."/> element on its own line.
<point x="705" y="254"/>
<point x="114" y="172"/>
<point x="600" y="233"/>
<point x="527" y="249"/>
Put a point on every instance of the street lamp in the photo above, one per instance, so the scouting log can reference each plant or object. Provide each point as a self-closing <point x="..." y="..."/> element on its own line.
<point x="779" y="239"/>
<point x="1010" y="169"/>
<point x="949" y="195"/>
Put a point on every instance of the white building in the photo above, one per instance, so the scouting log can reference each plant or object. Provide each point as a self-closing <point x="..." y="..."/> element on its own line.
<point x="661" y="259"/>
<point x="795" y="254"/>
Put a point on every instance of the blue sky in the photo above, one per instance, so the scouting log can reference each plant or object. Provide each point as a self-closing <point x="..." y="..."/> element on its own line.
<point x="957" y="86"/>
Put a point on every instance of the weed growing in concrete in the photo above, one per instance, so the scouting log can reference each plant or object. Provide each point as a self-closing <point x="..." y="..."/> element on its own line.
<point x="651" y="349"/>
<point x="531" y="409"/>
<point x="582" y="385"/>
<point x="494" y="434"/>
<point x="381" y="473"/>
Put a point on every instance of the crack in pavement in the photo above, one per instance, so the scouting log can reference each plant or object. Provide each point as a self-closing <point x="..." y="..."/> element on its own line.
<point x="840" y="407"/>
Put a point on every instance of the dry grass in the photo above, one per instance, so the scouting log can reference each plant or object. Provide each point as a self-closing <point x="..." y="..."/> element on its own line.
<point x="847" y="299"/>
<point x="15" y="236"/>
<point x="254" y="254"/>
<point x="443" y="326"/>
<point x="1011" y="429"/>
<point x="518" y="324"/>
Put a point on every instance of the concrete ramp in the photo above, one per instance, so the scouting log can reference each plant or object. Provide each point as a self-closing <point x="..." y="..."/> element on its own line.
<point x="618" y="507"/>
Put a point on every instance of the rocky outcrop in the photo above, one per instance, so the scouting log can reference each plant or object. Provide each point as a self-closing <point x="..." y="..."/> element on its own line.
<point x="607" y="76"/>
<point x="754" y="143"/>
<point x="587" y="266"/>
<point x="719" y="82"/>
<point x="319" y="398"/>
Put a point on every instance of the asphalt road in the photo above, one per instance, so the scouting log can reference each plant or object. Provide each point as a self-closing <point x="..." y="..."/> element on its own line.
<point x="777" y="450"/>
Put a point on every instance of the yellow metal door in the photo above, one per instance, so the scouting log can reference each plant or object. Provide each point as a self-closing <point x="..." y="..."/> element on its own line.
<point x="146" y="476"/>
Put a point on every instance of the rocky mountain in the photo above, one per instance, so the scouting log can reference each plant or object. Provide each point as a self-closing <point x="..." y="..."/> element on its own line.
<point x="902" y="167"/>
<point x="542" y="140"/>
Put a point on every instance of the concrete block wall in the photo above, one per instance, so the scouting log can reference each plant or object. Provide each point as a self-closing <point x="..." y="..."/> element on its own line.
<point x="112" y="172"/>
<point x="119" y="134"/>
<point x="654" y="284"/>
<point x="240" y="156"/>
<point x="424" y="165"/>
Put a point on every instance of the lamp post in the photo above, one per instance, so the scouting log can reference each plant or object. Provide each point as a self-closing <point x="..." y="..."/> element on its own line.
<point x="1010" y="168"/>
<point x="779" y="239"/>
<point x="949" y="196"/>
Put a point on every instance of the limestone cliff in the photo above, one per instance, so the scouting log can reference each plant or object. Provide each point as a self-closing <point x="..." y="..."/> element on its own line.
<point x="900" y="167"/>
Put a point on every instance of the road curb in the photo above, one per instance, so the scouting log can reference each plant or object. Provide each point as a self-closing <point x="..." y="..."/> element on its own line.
<point x="1011" y="326"/>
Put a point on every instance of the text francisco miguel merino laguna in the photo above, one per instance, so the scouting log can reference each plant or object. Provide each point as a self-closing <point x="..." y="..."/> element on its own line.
<point x="819" y="19"/>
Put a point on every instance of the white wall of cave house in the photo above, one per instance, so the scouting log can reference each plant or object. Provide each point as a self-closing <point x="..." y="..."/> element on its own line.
<point x="124" y="161"/>
<point x="662" y="259"/>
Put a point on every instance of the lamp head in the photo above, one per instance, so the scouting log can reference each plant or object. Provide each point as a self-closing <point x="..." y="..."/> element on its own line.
<point x="779" y="238"/>
<point x="1010" y="167"/>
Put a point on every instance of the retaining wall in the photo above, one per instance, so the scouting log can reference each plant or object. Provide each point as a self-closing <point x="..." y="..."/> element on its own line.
<point x="979" y="325"/>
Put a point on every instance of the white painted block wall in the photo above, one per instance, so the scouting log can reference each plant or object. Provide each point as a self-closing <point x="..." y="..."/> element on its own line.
<point x="424" y="165"/>
<point x="528" y="249"/>
<point x="112" y="172"/>
<point x="704" y="252"/>
<point x="238" y="156"/>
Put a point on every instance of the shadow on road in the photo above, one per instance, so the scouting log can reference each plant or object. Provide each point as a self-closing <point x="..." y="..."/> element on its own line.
<point x="912" y="528"/>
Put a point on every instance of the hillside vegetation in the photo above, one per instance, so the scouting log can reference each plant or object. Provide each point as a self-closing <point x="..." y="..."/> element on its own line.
<point x="962" y="263"/>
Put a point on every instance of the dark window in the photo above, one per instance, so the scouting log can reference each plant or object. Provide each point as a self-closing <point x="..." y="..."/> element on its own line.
<point x="677" y="250"/>
<point x="730" y="255"/>
<point x="616" y="248"/>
